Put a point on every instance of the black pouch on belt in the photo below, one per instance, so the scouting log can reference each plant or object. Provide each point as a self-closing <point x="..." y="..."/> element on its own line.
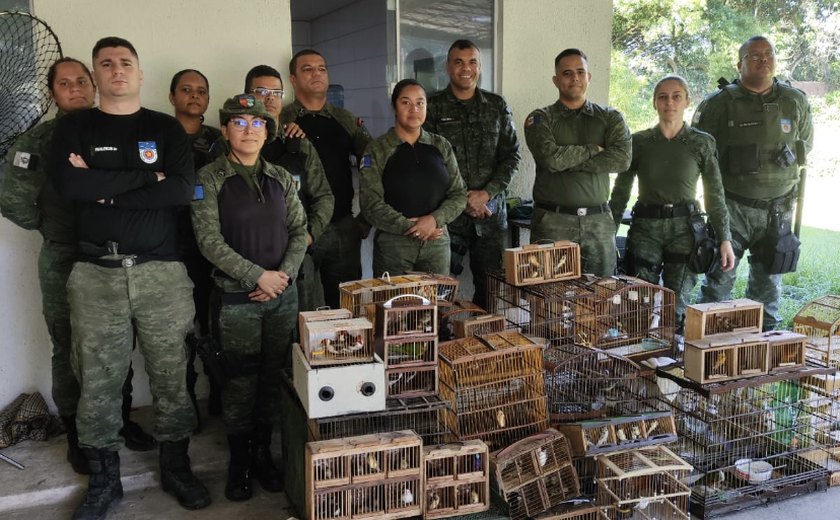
<point x="705" y="251"/>
<point x="779" y="250"/>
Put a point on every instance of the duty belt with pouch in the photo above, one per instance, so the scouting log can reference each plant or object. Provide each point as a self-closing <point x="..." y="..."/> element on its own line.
<point x="778" y="251"/>
<point x="705" y="251"/>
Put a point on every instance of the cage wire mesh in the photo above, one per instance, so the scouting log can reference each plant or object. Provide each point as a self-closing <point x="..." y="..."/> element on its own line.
<point x="29" y="46"/>
<point x="820" y="321"/>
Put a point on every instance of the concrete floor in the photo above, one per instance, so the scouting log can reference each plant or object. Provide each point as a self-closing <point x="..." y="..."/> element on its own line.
<point x="49" y="489"/>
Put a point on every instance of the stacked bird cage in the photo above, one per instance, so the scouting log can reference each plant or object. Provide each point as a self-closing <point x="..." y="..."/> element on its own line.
<point x="449" y="316"/>
<point x="535" y="474"/>
<point x="575" y="512"/>
<point x="725" y="356"/>
<point x="563" y="313"/>
<point x="446" y="287"/>
<point x="479" y="325"/>
<point x="633" y="318"/>
<point x="584" y="383"/>
<point x="457" y="479"/>
<point x="406" y="340"/>
<point x="597" y="436"/>
<point x="819" y="320"/>
<point x="425" y="416"/>
<point x="646" y="482"/>
<point x="787" y="350"/>
<point x="540" y="263"/>
<point x="508" y="300"/>
<point x="376" y="476"/>
<point x="336" y="341"/>
<point x="823" y="392"/>
<point x="360" y="296"/>
<point x="751" y="441"/>
<point x="708" y="319"/>
<point x="494" y="385"/>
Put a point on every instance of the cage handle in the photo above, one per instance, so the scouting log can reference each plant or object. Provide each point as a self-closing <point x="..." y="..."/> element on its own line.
<point x="323" y="308"/>
<point x="390" y="303"/>
<point x="386" y="276"/>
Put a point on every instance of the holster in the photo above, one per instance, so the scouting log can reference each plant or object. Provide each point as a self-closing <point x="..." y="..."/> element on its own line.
<point x="705" y="251"/>
<point x="779" y="250"/>
<point x="209" y="351"/>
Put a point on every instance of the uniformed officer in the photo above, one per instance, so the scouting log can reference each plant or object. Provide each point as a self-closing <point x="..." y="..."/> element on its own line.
<point x="127" y="169"/>
<point x="668" y="159"/>
<point x="251" y="225"/>
<point x="763" y="130"/>
<point x="337" y="135"/>
<point x="297" y="155"/>
<point x="410" y="190"/>
<point x="576" y="144"/>
<point x="479" y="125"/>
<point x="29" y="200"/>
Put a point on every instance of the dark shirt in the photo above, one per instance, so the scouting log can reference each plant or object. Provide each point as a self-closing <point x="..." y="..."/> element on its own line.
<point x="415" y="179"/>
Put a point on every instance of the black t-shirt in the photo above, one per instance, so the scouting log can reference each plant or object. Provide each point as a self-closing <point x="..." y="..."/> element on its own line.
<point x="334" y="146"/>
<point x="122" y="153"/>
<point x="415" y="179"/>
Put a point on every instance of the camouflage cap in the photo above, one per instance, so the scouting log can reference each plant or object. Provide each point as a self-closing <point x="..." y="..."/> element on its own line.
<point x="247" y="104"/>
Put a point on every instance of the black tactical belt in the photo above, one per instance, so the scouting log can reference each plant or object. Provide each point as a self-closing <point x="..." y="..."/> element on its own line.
<point x="663" y="211"/>
<point x="569" y="210"/>
<point x="126" y="261"/>
<point x="761" y="203"/>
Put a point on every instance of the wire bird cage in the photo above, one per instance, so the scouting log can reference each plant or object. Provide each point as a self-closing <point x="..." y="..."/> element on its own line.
<point x="495" y="387"/>
<point x="377" y="476"/>
<point x="561" y="312"/>
<point x="423" y="415"/>
<point x="751" y="441"/>
<point x="823" y="392"/>
<point x="508" y="300"/>
<point x="359" y="296"/>
<point x="633" y="318"/>
<point x="643" y="483"/>
<point x="449" y="316"/>
<point x="540" y="263"/>
<point x="584" y="383"/>
<point x="457" y="479"/>
<point x="535" y="474"/>
<point x="575" y="512"/>
<point x="708" y="319"/>
<point x="446" y="287"/>
<point x="819" y="320"/>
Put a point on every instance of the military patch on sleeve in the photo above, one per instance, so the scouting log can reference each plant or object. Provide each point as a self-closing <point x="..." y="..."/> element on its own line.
<point x="198" y="192"/>
<point x="696" y="118"/>
<point x="25" y="160"/>
<point x="296" y="180"/>
<point x="533" y="119"/>
<point x="786" y="126"/>
<point x="367" y="161"/>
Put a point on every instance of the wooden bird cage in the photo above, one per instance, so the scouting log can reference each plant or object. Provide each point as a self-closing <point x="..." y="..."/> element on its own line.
<point x="708" y="319"/>
<point x="479" y="325"/>
<point x="787" y="350"/>
<point x="359" y="296"/>
<point x="457" y="479"/>
<point x="819" y="320"/>
<point x="495" y="387"/>
<point x="751" y="441"/>
<point x="593" y="437"/>
<point x="633" y="318"/>
<point x="321" y="314"/>
<point x="561" y="312"/>
<point x="584" y="383"/>
<point x="540" y="263"/>
<point x="446" y="287"/>
<point x="535" y="474"/>
<point x="425" y="416"/>
<point x="376" y="476"/>
<point x="508" y="300"/>
<point x="726" y="356"/>
<point x="449" y="315"/>
<point x="333" y="342"/>
<point x="647" y="481"/>
<point x="575" y="512"/>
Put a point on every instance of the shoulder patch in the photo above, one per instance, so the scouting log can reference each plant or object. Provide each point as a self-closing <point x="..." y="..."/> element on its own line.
<point x="533" y="119"/>
<point x="148" y="151"/>
<point x="25" y="160"/>
<point x="198" y="192"/>
<point x="367" y="161"/>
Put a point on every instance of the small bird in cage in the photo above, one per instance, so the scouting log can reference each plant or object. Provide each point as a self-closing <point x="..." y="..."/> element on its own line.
<point x="605" y="436"/>
<point x="720" y="361"/>
<point x="500" y="418"/>
<point x="477" y="463"/>
<point x="652" y="426"/>
<point x="323" y="469"/>
<point x="474" y="498"/>
<point x="635" y="432"/>
<point x="723" y="324"/>
<point x="433" y="502"/>
<point x="542" y="457"/>
<point x="403" y="463"/>
<point x="621" y="435"/>
<point x="372" y="462"/>
<point x="413" y="351"/>
<point x="558" y="267"/>
<point x="407" y="497"/>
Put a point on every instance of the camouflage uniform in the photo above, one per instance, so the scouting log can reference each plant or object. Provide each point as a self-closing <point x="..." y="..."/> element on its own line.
<point x="29" y="200"/>
<point x="255" y="337"/>
<point x="751" y="130"/>
<point x="572" y="179"/>
<point x="336" y="134"/>
<point x="392" y="250"/>
<point x="668" y="170"/>
<point x="484" y="140"/>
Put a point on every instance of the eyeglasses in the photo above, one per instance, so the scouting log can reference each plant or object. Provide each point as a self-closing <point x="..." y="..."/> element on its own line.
<point x="268" y="92"/>
<point x="242" y="124"/>
<point x="758" y="56"/>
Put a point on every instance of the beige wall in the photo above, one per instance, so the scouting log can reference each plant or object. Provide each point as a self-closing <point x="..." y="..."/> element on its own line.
<point x="532" y="33"/>
<point x="169" y="36"/>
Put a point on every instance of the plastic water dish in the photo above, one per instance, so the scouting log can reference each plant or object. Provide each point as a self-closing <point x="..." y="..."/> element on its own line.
<point x="753" y="471"/>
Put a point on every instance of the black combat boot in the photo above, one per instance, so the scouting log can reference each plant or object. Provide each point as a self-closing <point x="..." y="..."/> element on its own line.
<point x="177" y="478"/>
<point x="75" y="454"/>
<point x="104" y="487"/>
<point x="238" y="487"/>
<point x="135" y="438"/>
<point x="265" y="471"/>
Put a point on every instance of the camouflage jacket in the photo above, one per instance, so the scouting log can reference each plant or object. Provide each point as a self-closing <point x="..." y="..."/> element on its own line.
<point x="668" y="170"/>
<point x="482" y="136"/>
<point x="242" y="274"/>
<point x="29" y="198"/>
<point x="372" y="193"/>
<point x="571" y="171"/>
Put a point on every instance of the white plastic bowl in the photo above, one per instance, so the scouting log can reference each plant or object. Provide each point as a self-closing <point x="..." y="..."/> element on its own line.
<point x="754" y="471"/>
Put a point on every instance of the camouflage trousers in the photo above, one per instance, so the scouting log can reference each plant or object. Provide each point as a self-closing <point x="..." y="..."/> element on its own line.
<point x="256" y="339"/>
<point x="484" y="243"/>
<point x="398" y="254"/>
<point x="338" y="256"/>
<point x="751" y="224"/>
<point x="154" y="297"/>
<point x="594" y="233"/>
<point x="651" y="241"/>
<point x="54" y="265"/>
<point x="309" y="288"/>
